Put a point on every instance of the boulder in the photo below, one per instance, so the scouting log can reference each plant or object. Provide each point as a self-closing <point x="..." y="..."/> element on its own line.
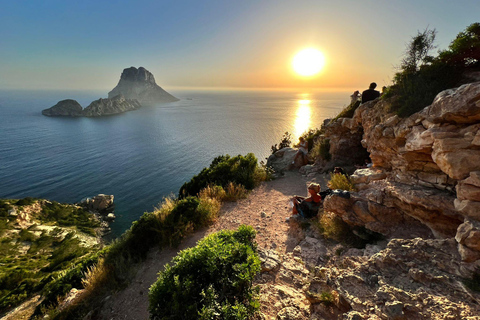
<point x="64" y="108"/>
<point x="139" y="84"/>
<point x="111" y="106"/>
<point x="460" y="105"/>
<point x="282" y="159"/>
<point x="101" y="203"/>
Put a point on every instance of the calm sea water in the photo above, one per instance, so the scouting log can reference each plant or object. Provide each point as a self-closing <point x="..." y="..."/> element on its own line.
<point x="142" y="156"/>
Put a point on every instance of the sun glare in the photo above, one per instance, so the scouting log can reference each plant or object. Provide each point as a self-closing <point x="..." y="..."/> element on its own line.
<point x="308" y="62"/>
<point x="302" y="117"/>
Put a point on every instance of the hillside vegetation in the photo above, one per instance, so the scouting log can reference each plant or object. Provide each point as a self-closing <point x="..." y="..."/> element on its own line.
<point x="40" y="241"/>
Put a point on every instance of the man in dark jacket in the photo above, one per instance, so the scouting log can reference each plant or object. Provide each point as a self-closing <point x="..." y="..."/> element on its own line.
<point x="371" y="93"/>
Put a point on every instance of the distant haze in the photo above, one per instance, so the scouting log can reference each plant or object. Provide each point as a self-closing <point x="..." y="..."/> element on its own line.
<point x="82" y="45"/>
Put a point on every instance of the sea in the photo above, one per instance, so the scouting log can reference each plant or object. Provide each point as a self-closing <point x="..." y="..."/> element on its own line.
<point x="143" y="156"/>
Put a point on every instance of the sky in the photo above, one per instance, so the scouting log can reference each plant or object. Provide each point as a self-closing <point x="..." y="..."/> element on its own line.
<point x="85" y="45"/>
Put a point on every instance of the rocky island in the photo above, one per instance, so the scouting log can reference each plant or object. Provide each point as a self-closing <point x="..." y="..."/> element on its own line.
<point x="136" y="87"/>
<point x="140" y="84"/>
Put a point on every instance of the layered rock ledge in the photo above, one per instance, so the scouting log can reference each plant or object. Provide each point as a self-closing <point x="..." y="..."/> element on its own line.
<point x="425" y="179"/>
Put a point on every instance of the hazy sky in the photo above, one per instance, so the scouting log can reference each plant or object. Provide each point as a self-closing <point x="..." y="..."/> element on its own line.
<point x="84" y="44"/>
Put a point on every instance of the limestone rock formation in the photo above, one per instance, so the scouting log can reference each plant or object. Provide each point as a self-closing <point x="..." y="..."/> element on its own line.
<point x="111" y="106"/>
<point x="282" y="159"/>
<point x="140" y="84"/>
<point x="64" y="108"/>
<point x="426" y="169"/>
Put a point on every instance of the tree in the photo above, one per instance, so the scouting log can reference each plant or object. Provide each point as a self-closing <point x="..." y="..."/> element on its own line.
<point x="464" y="51"/>
<point x="416" y="53"/>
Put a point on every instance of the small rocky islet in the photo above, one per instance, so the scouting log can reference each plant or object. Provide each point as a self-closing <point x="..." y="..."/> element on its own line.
<point x="136" y="87"/>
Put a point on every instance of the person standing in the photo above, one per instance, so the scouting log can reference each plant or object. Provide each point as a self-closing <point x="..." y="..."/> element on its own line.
<point x="370" y="94"/>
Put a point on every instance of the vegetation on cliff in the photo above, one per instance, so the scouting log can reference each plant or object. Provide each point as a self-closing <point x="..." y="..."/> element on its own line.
<point x="422" y="76"/>
<point x="165" y="226"/>
<point x="40" y="242"/>
<point x="210" y="281"/>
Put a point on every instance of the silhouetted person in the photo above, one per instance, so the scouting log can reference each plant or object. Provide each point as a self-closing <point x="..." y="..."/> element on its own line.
<point x="371" y="93"/>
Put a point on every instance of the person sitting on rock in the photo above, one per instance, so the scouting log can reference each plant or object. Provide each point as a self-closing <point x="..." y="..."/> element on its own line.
<point x="370" y="94"/>
<point x="302" y="150"/>
<point x="307" y="207"/>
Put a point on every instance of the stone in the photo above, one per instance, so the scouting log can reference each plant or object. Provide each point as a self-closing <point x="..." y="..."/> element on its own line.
<point x="290" y="313"/>
<point x="468" y="208"/>
<point x="64" y="108"/>
<point x="139" y="84"/>
<point x="394" y="310"/>
<point x="468" y="234"/>
<point x="111" y="106"/>
<point x="468" y="255"/>
<point x="460" y="105"/>
<point x="101" y="203"/>
<point x="282" y="159"/>
<point x="467" y="191"/>
<point x="367" y="175"/>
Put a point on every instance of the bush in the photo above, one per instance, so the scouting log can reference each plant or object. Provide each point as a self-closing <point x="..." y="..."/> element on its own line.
<point x="333" y="227"/>
<point x="422" y="77"/>
<point x="222" y="170"/>
<point x="284" y="143"/>
<point x="349" y="111"/>
<point x="321" y="149"/>
<point x="210" y="281"/>
<point x="340" y="181"/>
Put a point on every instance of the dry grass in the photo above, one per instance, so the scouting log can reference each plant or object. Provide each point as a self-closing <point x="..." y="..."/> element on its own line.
<point x="235" y="192"/>
<point x="213" y="192"/>
<point x="95" y="276"/>
<point x="340" y="181"/>
<point x="165" y="208"/>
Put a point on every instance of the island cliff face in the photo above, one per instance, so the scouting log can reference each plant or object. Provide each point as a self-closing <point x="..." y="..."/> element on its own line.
<point x="64" y="108"/>
<point x="140" y="84"/>
<point x="115" y="105"/>
<point x="98" y="108"/>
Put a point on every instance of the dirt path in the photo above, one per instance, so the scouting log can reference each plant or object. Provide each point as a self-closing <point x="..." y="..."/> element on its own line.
<point x="265" y="209"/>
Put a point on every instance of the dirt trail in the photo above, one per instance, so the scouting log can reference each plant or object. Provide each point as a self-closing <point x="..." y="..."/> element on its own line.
<point x="265" y="209"/>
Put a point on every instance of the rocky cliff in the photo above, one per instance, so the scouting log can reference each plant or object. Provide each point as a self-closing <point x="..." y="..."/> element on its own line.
<point x="64" y="108"/>
<point x="98" y="108"/>
<point x="425" y="179"/>
<point x="140" y="84"/>
<point x="111" y="106"/>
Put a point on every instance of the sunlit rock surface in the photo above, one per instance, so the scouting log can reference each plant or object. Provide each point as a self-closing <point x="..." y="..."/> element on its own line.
<point x="425" y="167"/>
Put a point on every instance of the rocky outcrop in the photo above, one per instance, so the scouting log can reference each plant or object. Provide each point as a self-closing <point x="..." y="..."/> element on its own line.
<point x="98" y="108"/>
<point x="426" y="168"/>
<point x="102" y="206"/>
<point x="140" y="84"/>
<point x="111" y="106"/>
<point x="399" y="279"/>
<point x="64" y="108"/>
<point x="282" y="159"/>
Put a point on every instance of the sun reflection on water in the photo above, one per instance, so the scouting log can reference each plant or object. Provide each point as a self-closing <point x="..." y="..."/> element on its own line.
<point x="302" y="118"/>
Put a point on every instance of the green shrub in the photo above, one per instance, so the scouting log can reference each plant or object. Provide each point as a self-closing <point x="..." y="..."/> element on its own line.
<point x="422" y="77"/>
<point x="322" y="149"/>
<point x="68" y="216"/>
<point x="311" y="136"/>
<point x="222" y="170"/>
<point x="340" y="181"/>
<point x="25" y="201"/>
<point x="349" y="111"/>
<point x="210" y="281"/>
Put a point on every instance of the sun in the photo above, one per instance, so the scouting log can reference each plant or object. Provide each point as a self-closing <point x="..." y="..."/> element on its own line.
<point x="308" y="62"/>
